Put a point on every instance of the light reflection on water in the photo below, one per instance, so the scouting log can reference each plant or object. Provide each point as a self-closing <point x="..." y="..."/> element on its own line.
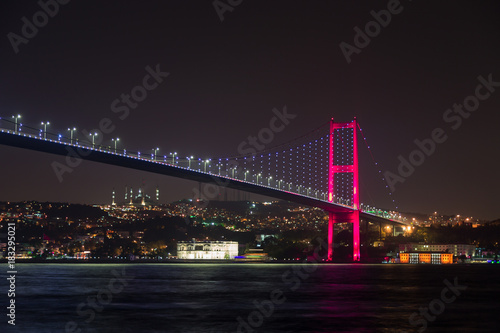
<point x="210" y="297"/>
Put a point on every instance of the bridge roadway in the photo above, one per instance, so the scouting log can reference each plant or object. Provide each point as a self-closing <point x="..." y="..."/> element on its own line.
<point x="32" y="142"/>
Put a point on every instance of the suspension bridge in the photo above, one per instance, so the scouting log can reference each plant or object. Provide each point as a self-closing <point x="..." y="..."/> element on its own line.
<point x="318" y="169"/>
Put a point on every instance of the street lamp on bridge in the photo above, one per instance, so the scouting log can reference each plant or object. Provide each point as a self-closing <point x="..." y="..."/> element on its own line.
<point x="173" y="157"/>
<point x="189" y="158"/>
<point x="93" y="139"/>
<point x="71" y="130"/>
<point x="154" y="153"/>
<point x="258" y="177"/>
<point x="205" y="165"/>
<point x="115" y="141"/>
<point x="15" y="121"/>
<point x="269" y="180"/>
<point x="246" y="173"/>
<point x="45" y="129"/>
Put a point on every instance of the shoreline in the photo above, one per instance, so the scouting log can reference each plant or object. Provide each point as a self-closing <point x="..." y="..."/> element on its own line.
<point x="203" y="261"/>
<point x="154" y="261"/>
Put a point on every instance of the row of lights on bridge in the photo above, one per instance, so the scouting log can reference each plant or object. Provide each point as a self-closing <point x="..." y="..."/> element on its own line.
<point x="174" y="156"/>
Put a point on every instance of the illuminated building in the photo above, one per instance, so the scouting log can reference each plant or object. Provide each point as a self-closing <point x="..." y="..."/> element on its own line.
<point x="207" y="250"/>
<point x="455" y="249"/>
<point x="425" y="258"/>
<point x="82" y="255"/>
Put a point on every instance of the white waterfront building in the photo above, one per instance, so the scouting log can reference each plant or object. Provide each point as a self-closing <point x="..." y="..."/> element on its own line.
<point x="207" y="250"/>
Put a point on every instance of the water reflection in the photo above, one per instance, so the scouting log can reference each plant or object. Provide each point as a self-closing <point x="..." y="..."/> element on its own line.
<point x="211" y="298"/>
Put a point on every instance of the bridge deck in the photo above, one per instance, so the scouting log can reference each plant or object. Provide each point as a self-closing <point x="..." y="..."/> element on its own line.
<point x="127" y="161"/>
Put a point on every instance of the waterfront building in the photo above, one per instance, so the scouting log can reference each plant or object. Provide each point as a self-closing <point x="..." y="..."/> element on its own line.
<point x="207" y="250"/>
<point x="455" y="249"/>
<point x="85" y="255"/>
<point x="425" y="258"/>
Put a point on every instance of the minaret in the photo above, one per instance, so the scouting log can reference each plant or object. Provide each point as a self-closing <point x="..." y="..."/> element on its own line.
<point x="131" y="195"/>
<point x="113" y="202"/>
<point x="157" y="194"/>
<point x="142" y="195"/>
<point x="126" y="193"/>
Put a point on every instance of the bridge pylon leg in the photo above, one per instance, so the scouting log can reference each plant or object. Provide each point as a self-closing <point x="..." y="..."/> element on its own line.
<point x="355" y="236"/>
<point x="331" y="225"/>
<point x="344" y="217"/>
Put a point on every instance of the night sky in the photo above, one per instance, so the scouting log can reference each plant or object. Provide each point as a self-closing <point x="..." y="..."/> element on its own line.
<point x="225" y="77"/>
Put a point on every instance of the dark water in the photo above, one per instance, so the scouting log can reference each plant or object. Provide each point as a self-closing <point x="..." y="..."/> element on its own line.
<point x="211" y="297"/>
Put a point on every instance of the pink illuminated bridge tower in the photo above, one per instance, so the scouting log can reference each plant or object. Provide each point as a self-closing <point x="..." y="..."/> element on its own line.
<point x="343" y="184"/>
